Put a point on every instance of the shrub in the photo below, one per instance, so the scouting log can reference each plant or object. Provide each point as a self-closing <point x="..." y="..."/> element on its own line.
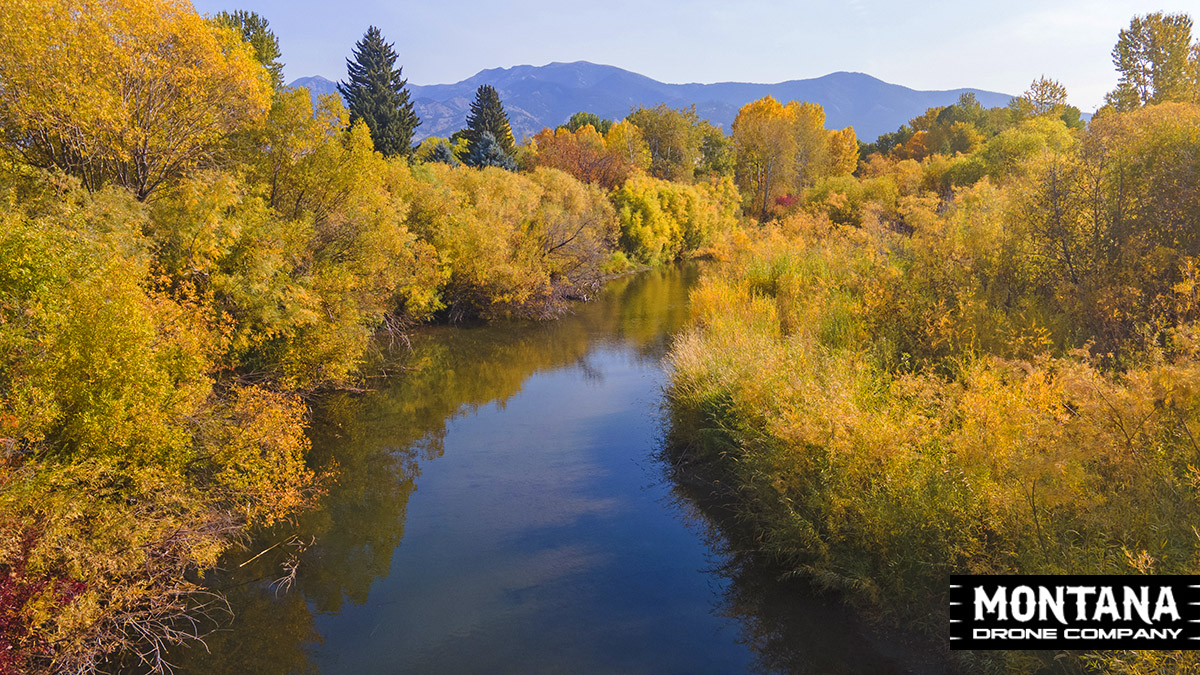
<point x="663" y="221"/>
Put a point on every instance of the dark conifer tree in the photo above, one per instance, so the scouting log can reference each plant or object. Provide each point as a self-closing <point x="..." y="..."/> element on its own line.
<point x="257" y="31"/>
<point x="488" y="116"/>
<point x="376" y="94"/>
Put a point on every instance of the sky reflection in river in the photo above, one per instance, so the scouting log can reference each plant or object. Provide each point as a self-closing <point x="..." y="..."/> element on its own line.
<point x="497" y="508"/>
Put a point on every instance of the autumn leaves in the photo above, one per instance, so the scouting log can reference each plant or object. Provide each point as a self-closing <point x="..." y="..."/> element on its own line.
<point x="782" y="149"/>
<point x="77" y="97"/>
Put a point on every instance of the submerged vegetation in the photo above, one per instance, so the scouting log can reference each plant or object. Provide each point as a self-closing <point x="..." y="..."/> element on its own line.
<point x="973" y="358"/>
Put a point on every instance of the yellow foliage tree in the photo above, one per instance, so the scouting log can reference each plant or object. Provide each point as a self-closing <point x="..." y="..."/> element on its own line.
<point x="812" y="151"/>
<point x="766" y="148"/>
<point x="132" y="92"/>
<point x="784" y="149"/>
<point x="843" y="152"/>
<point x="627" y="139"/>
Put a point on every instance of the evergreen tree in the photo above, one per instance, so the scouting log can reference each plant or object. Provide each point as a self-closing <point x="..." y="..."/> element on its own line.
<point x="487" y="151"/>
<point x="376" y="94"/>
<point x="257" y="31"/>
<point x="488" y="116"/>
<point x="442" y="153"/>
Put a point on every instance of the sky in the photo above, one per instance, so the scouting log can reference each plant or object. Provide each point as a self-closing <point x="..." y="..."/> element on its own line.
<point x="934" y="44"/>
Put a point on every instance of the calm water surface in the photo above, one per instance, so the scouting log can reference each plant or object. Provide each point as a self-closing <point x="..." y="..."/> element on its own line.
<point x="496" y="506"/>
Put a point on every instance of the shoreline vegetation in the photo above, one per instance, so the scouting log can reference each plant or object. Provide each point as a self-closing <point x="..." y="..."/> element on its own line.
<point x="967" y="346"/>
<point x="976" y="355"/>
<point x="191" y="252"/>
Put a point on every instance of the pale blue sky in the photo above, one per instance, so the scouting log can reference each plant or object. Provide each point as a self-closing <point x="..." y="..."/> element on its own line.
<point x="936" y="44"/>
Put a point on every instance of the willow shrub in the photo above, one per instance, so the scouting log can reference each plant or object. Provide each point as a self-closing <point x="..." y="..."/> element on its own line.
<point x="305" y="253"/>
<point x="662" y="221"/>
<point x="879" y="469"/>
<point x="122" y="466"/>
<point x="844" y="198"/>
<point x="510" y="244"/>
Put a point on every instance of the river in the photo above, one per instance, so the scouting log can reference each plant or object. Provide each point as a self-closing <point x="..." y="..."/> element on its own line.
<point x="496" y="504"/>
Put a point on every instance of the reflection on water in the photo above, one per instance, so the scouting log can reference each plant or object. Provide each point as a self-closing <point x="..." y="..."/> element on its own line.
<point x="496" y="508"/>
<point x="787" y="625"/>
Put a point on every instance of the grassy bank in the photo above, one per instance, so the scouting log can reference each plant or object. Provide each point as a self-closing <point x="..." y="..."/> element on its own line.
<point x="940" y="390"/>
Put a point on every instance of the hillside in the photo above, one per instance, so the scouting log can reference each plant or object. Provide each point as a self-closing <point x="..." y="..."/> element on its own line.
<point x="541" y="96"/>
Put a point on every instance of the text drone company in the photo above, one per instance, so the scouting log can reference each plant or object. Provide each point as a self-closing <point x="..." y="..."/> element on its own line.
<point x="1075" y="633"/>
<point x="1047" y="612"/>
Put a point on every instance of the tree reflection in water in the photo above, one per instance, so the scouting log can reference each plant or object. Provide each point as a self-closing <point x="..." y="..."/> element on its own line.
<point x="789" y="626"/>
<point x="373" y="446"/>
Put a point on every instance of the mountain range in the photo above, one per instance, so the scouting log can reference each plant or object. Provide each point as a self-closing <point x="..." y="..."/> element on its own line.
<point x="536" y="97"/>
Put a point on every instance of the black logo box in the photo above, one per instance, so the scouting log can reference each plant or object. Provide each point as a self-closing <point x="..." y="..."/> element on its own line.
<point x="968" y="631"/>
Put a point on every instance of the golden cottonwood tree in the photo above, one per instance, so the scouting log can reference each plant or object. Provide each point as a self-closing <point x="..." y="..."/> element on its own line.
<point x="766" y="150"/>
<point x="1153" y="57"/>
<point x="784" y="149"/>
<point x="812" y="141"/>
<point x="626" y="139"/>
<point x="843" y="151"/>
<point x="132" y="92"/>
<point x="673" y="137"/>
<point x="1044" y="97"/>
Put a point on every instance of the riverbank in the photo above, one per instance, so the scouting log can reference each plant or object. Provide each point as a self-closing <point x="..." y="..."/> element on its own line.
<point x="500" y="500"/>
<point x="886" y="409"/>
<point x="788" y="615"/>
<point x="158" y="360"/>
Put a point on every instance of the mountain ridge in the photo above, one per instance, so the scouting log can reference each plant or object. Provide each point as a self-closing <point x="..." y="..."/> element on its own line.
<point x="546" y="96"/>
